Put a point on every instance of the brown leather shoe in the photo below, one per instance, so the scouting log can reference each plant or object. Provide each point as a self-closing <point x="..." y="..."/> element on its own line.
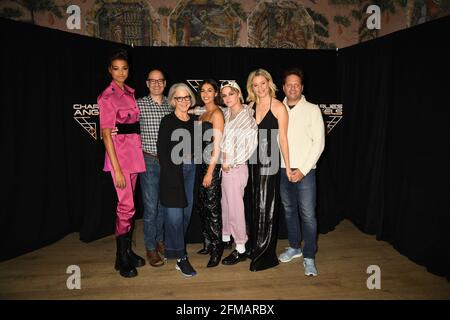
<point x="160" y="247"/>
<point x="154" y="259"/>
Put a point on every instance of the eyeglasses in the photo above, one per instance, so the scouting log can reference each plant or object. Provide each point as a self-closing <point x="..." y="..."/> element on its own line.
<point x="156" y="81"/>
<point x="179" y="99"/>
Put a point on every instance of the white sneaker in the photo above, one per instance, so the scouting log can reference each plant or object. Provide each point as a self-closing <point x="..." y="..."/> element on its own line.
<point x="290" y="254"/>
<point x="310" y="267"/>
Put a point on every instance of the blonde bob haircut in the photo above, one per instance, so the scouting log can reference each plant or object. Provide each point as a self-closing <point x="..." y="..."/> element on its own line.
<point x="252" y="97"/>
<point x="179" y="86"/>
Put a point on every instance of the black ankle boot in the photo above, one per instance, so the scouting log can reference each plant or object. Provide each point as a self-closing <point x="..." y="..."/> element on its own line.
<point x="123" y="263"/>
<point x="216" y="255"/>
<point x="136" y="260"/>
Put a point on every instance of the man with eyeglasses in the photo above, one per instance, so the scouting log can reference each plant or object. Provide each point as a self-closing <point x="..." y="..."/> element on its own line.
<point x="153" y="108"/>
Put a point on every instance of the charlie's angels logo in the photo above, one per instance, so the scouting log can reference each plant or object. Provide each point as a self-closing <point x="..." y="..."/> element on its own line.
<point x="87" y="116"/>
<point x="332" y="114"/>
<point x="194" y="84"/>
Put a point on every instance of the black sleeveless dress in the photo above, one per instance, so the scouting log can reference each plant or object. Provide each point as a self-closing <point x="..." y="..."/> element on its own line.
<point x="209" y="205"/>
<point x="264" y="197"/>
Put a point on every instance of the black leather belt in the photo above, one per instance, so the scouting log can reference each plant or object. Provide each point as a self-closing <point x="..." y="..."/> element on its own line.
<point x="128" y="128"/>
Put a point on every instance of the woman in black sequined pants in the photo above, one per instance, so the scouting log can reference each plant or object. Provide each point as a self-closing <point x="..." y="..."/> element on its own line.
<point x="210" y="192"/>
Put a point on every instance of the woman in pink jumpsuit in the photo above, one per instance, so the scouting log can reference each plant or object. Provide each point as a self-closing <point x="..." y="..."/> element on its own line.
<point x="124" y="158"/>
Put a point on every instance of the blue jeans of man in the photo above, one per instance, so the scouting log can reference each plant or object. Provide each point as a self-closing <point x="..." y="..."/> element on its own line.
<point x="299" y="202"/>
<point x="177" y="219"/>
<point x="153" y="210"/>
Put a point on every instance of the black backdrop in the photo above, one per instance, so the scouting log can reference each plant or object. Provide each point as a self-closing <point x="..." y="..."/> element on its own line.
<point x="394" y="178"/>
<point x="380" y="167"/>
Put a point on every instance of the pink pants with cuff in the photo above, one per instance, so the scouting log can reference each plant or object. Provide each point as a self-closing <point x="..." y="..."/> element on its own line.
<point x="233" y="211"/>
<point x="125" y="206"/>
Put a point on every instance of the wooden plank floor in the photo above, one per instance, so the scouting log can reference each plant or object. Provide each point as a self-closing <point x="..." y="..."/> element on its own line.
<point x="342" y="261"/>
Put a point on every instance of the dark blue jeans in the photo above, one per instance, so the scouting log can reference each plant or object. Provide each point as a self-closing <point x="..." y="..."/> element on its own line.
<point x="299" y="202"/>
<point x="177" y="219"/>
<point x="153" y="210"/>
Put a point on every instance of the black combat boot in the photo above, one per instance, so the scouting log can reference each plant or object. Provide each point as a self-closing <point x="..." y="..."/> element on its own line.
<point x="136" y="260"/>
<point x="123" y="262"/>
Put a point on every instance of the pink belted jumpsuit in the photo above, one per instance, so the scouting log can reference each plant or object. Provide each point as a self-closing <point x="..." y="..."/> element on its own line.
<point x="119" y="106"/>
